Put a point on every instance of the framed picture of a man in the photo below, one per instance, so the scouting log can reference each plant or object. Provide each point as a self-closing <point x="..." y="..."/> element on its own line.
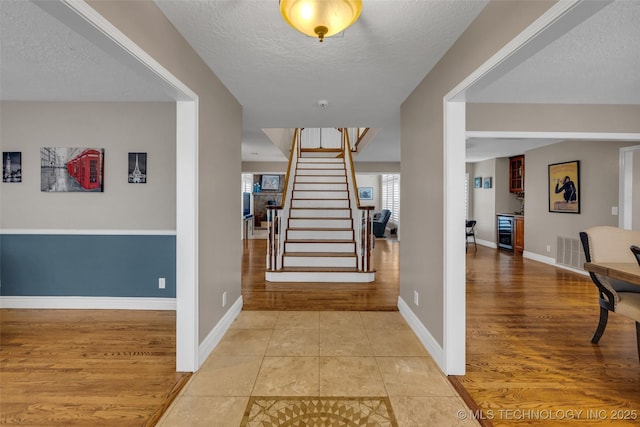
<point x="564" y="187"/>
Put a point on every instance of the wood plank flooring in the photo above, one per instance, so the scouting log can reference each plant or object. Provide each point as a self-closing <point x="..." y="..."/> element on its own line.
<point x="87" y="367"/>
<point x="381" y="295"/>
<point x="529" y="356"/>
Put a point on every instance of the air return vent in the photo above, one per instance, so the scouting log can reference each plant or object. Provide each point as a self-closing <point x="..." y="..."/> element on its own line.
<point x="570" y="252"/>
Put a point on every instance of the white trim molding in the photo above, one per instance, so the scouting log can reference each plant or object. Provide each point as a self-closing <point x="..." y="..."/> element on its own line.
<point x="551" y="261"/>
<point x="486" y="243"/>
<point x="213" y="339"/>
<point x="579" y="136"/>
<point x="65" y="232"/>
<point x="423" y="334"/>
<point x="88" y="303"/>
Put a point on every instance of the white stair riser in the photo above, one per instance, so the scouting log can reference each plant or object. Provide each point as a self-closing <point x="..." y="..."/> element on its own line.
<point x="319" y="234"/>
<point x="307" y="261"/>
<point x="322" y="277"/>
<point x="337" y="186"/>
<point x="307" y="203"/>
<point x="320" y="166"/>
<point x="319" y="223"/>
<point x="320" y="213"/>
<point x="338" y="160"/>
<point x="301" y="179"/>
<point x="320" y="194"/>
<point x="334" y="172"/>
<point x="320" y="247"/>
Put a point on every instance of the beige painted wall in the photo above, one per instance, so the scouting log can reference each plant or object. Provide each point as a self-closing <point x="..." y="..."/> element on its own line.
<point x="119" y="128"/>
<point x="598" y="191"/>
<point x="484" y="202"/>
<point x="635" y="217"/>
<point x="220" y="138"/>
<point x="553" y="118"/>
<point x="422" y="153"/>
<point x="373" y="181"/>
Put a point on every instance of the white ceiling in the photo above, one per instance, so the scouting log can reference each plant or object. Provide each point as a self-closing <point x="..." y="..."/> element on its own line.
<point x="278" y="74"/>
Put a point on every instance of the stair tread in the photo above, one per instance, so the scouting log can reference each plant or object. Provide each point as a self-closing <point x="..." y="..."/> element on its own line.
<point x="321" y="254"/>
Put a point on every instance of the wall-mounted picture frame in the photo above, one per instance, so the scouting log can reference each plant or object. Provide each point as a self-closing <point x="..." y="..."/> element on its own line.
<point x="488" y="182"/>
<point x="564" y="187"/>
<point x="270" y="182"/>
<point x="477" y="182"/>
<point x="71" y="169"/>
<point x="365" y="193"/>
<point x="137" y="168"/>
<point x="11" y="166"/>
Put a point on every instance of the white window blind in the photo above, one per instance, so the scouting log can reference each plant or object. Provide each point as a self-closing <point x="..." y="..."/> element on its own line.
<point x="391" y="195"/>
<point x="247" y="183"/>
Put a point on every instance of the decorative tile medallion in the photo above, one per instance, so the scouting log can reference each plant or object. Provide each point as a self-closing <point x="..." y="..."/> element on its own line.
<point x="318" y="411"/>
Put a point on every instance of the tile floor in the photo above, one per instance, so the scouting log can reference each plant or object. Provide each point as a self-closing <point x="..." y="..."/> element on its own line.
<point x="311" y="353"/>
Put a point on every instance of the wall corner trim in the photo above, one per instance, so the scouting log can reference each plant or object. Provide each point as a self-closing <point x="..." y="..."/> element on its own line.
<point x="425" y="337"/>
<point x="216" y="334"/>
<point x="88" y="303"/>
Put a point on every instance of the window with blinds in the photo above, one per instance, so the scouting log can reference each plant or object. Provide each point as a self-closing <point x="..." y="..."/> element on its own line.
<point x="391" y="195"/>
<point x="247" y="183"/>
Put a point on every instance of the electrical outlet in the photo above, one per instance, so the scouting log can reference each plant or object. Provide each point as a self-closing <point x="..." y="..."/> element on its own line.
<point x="416" y="298"/>
<point x="548" y="248"/>
<point x="224" y="299"/>
<point x="161" y="283"/>
<point x="614" y="210"/>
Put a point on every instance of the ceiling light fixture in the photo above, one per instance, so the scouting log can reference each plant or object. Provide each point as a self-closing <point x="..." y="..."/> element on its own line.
<point x="320" y="18"/>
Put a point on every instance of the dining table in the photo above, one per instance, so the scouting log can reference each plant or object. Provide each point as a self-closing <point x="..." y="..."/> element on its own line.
<point x="625" y="271"/>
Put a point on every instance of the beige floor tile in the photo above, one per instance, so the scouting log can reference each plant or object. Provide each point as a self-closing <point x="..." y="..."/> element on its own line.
<point x="288" y="376"/>
<point x="395" y="343"/>
<point x="225" y="376"/>
<point x="298" y="320"/>
<point x="244" y="342"/>
<point x="205" y="411"/>
<point x="350" y="376"/>
<point x="431" y="411"/>
<point x="340" y="319"/>
<point x="293" y="342"/>
<point x="413" y="376"/>
<point x="255" y="320"/>
<point x="344" y="341"/>
<point x="383" y="320"/>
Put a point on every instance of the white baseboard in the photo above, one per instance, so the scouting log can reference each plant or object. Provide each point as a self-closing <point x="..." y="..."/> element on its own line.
<point x="425" y="337"/>
<point x="213" y="339"/>
<point x="551" y="261"/>
<point x="88" y="303"/>
<point x="486" y="243"/>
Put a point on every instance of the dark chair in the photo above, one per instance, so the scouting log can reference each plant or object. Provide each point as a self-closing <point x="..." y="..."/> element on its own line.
<point x="379" y="221"/>
<point x="636" y="252"/>
<point x="608" y="244"/>
<point x="471" y="232"/>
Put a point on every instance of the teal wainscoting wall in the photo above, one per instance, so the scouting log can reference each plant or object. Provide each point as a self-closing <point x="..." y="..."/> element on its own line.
<point x="87" y="265"/>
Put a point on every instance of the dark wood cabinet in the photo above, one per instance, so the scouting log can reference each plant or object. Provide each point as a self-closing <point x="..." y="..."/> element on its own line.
<point x="516" y="174"/>
<point x="518" y="244"/>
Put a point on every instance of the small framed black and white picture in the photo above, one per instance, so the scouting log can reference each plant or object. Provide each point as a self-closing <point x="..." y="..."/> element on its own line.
<point x="11" y="166"/>
<point x="137" y="168"/>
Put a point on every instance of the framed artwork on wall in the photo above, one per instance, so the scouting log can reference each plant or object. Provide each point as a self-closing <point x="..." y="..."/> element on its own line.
<point x="488" y="182"/>
<point x="11" y="166"/>
<point x="477" y="182"/>
<point x="365" y="193"/>
<point x="270" y="182"/>
<point x="564" y="187"/>
<point x="137" y="168"/>
<point x="71" y="169"/>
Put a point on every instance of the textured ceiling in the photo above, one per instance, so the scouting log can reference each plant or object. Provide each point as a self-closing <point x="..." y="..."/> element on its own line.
<point x="278" y="74"/>
<point x="596" y="62"/>
<point x="44" y="60"/>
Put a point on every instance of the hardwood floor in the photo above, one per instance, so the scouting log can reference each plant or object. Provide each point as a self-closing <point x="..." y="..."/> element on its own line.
<point x="381" y="295"/>
<point x="87" y="367"/>
<point x="529" y="354"/>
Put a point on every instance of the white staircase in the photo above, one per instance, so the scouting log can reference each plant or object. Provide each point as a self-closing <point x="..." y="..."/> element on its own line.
<point x="318" y="237"/>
